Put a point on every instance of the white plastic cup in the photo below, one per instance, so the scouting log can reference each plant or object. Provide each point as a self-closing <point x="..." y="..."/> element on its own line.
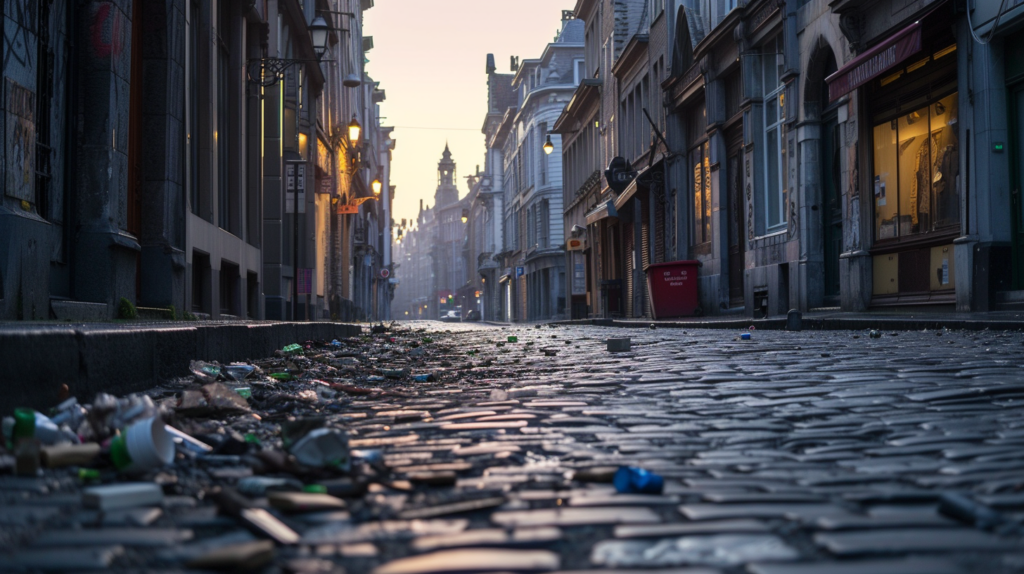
<point x="144" y="445"/>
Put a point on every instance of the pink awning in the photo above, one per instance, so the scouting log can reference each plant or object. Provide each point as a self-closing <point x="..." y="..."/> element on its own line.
<point x="875" y="61"/>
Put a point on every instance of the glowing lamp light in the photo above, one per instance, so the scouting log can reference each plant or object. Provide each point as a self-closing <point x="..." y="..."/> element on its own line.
<point x="377" y="186"/>
<point x="354" y="129"/>
<point x="548" y="146"/>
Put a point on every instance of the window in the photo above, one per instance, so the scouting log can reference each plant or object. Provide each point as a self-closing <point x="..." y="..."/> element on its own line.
<point x="701" y="193"/>
<point x="222" y="136"/>
<point x="579" y="71"/>
<point x="593" y="47"/>
<point x="193" y="107"/>
<point x="542" y="158"/>
<point x="775" y="200"/>
<point x="700" y="165"/>
<point x="916" y="169"/>
<point x="657" y="6"/>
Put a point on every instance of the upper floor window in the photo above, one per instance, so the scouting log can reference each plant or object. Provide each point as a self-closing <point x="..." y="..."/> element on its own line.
<point x="579" y="71"/>
<point x="775" y="204"/>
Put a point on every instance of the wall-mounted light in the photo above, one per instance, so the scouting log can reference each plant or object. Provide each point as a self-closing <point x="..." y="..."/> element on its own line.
<point x="465" y="215"/>
<point x="376" y="185"/>
<point x="548" y="146"/>
<point x="354" y="129"/>
<point x="268" y="71"/>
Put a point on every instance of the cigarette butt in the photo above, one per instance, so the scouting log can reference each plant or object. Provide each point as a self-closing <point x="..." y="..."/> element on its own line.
<point x="69" y="455"/>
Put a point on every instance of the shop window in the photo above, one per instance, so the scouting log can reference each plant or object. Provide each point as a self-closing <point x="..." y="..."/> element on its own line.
<point x="916" y="171"/>
<point x="701" y="194"/>
<point x="775" y="199"/>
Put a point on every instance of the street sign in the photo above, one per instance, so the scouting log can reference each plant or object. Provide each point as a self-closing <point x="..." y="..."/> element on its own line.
<point x="346" y="209"/>
<point x="327" y="185"/>
<point x="305" y="282"/>
<point x="385" y="273"/>
<point x="520" y="271"/>
<point x="574" y="245"/>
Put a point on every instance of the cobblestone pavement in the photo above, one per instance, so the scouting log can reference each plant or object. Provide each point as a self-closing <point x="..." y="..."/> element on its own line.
<point x="805" y="453"/>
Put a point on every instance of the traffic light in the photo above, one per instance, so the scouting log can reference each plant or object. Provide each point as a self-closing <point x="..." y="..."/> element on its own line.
<point x="451" y="299"/>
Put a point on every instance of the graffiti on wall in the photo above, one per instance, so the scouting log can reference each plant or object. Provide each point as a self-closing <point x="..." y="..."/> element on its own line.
<point x="106" y="31"/>
<point x="18" y="44"/>
<point x="20" y="141"/>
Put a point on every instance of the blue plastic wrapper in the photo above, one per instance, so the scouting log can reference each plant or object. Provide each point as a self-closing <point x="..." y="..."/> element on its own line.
<point x="634" y="480"/>
<point x="745" y="336"/>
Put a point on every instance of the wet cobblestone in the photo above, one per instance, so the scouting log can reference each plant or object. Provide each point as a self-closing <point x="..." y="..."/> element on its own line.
<point x="808" y="452"/>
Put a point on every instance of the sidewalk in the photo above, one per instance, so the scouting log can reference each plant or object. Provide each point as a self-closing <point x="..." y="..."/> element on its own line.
<point x="121" y="357"/>
<point x="830" y="321"/>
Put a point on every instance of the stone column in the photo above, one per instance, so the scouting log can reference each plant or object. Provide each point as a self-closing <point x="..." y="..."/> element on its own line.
<point x="163" y="208"/>
<point x="105" y="257"/>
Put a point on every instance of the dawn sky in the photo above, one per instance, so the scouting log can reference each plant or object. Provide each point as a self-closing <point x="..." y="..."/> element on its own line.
<point x="430" y="58"/>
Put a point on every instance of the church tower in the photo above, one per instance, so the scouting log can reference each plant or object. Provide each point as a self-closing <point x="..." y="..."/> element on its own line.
<point x="447" y="192"/>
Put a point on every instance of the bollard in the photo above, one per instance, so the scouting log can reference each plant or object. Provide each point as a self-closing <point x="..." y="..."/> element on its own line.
<point x="794" y="320"/>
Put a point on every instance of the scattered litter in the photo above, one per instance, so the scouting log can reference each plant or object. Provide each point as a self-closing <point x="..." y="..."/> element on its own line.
<point x="634" y="480"/>
<point x="142" y="446"/>
<point x="122" y="495"/>
<point x="323" y="448"/>
<point x="619" y="345"/>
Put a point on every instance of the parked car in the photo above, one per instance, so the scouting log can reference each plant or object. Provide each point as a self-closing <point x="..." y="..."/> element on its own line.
<point x="472" y="315"/>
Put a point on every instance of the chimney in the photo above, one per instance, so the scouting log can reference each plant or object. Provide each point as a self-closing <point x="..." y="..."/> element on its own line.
<point x="491" y="67"/>
<point x="421" y="205"/>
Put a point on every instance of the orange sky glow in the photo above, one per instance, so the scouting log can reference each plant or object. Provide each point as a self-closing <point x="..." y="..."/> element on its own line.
<point x="430" y="58"/>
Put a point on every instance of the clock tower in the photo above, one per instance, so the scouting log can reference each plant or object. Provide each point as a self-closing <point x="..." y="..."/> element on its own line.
<point x="447" y="193"/>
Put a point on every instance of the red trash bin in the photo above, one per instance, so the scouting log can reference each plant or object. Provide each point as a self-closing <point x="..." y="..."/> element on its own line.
<point x="672" y="288"/>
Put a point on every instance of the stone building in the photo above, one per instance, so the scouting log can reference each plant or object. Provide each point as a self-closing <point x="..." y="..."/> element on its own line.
<point x="158" y="152"/>
<point x="534" y="251"/>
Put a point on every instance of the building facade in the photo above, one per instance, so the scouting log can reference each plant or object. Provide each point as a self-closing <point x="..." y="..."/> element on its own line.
<point x="172" y="171"/>
<point x="807" y="155"/>
<point x="534" y="254"/>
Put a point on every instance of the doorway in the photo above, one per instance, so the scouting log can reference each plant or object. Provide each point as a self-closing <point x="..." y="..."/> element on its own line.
<point x="737" y="216"/>
<point x="832" y="207"/>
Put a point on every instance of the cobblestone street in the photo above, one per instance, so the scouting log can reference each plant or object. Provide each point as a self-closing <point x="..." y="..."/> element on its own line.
<point x="792" y="452"/>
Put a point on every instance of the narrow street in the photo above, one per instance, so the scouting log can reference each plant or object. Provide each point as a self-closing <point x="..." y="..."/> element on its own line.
<point x="808" y="452"/>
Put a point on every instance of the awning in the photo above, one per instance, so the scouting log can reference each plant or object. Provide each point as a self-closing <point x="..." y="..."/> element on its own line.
<point x="875" y="61"/>
<point x="602" y="211"/>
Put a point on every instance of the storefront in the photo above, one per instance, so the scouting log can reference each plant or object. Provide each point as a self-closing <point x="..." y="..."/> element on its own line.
<point x="912" y="153"/>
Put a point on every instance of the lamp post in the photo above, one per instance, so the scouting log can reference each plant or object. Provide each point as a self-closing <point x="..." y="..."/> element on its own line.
<point x="549" y="146"/>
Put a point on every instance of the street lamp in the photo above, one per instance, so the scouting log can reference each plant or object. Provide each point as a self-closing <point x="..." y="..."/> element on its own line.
<point x="318" y="31"/>
<point x="376" y="185"/>
<point x="465" y="215"/>
<point x="354" y="129"/>
<point x="548" y="146"/>
<point x="268" y="71"/>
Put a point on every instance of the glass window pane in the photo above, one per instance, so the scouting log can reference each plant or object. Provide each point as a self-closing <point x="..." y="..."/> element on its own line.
<point x="772" y="181"/>
<point x="707" y="191"/>
<point x="945" y="162"/>
<point x="915" y="176"/>
<point x="770" y="65"/>
<point x="771" y="111"/>
<point x="885" y="186"/>
<point x="698" y="187"/>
